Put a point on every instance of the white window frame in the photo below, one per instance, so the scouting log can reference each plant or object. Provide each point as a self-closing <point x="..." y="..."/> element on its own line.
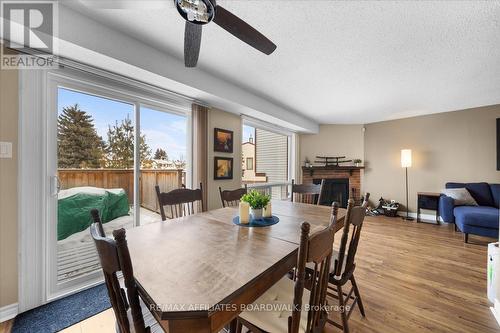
<point x="292" y="142"/>
<point x="38" y="121"/>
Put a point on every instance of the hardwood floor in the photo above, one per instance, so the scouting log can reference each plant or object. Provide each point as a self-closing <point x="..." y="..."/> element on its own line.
<point x="6" y="326"/>
<point x="412" y="277"/>
<point x="420" y="278"/>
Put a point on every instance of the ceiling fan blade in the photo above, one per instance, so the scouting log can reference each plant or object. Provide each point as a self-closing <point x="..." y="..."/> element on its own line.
<point x="192" y="42"/>
<point x="243" y="30"/>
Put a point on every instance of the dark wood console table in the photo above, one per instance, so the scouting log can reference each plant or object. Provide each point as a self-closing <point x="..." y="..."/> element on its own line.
<point x="428" y="200"/>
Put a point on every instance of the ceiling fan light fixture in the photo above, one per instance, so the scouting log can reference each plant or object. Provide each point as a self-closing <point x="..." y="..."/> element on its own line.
<point x="196" y="11"/>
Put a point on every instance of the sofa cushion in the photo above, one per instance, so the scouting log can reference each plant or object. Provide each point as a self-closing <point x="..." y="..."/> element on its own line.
<point x="481" y="216"/>
<point x="460" y="196"/>
<point x="481" y="192"/>
<point x="495" y="191"/>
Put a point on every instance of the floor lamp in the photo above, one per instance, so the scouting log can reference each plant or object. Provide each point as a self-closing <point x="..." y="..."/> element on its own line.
<point x="406" y="163"/>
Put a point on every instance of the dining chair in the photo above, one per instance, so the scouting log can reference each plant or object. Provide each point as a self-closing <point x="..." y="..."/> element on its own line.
<point x="307" y="193"/>
<point x="232" y="197"/>
<point x="131" y="314"/>
<point x="314" y="250"/>
<point x="182" y="202"/>
<point x="343" y="264"/>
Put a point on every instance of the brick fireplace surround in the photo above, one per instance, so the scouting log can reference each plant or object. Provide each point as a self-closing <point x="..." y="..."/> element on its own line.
<point x="352" y="173"/>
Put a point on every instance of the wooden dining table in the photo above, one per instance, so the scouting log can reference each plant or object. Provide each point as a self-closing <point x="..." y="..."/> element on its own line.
<point x="196" y="272"/>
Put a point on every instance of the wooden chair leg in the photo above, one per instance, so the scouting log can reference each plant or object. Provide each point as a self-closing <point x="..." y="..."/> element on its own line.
<point x="456" y="229"/>
<point x="343" y="314"/>
<point x="233" y="325"/>
<point x="466" y="237"/>
<point x="358" y="296"/>
<point x="239" y="327"/>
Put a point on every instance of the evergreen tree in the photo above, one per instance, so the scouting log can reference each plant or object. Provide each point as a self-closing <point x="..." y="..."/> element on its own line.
<point x="120" y="148"/>
<point x="160" y="154"/>
<point x="79" y="146"/>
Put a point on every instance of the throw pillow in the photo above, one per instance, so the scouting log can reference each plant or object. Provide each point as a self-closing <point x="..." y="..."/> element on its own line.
<point x="461" y="196"/>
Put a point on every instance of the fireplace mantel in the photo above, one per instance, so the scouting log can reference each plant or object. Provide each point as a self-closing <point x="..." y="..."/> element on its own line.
<point x="349" y="168"/>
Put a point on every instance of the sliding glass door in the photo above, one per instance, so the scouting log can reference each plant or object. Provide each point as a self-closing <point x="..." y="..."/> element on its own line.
<point x="95" y="169"/>
<point x="107" y="149"/>
<point x="163" y="156"/>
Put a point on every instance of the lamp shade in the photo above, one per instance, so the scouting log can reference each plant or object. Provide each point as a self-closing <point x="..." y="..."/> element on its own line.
<point x="405" y="158"/>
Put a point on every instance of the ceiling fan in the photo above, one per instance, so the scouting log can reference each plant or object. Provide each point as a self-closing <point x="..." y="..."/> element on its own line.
<point x="200" y="12"/>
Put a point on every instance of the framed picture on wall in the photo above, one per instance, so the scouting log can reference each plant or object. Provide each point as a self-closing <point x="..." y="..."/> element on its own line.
<point x="223" y="168"/>
<point x="223" y="140"/>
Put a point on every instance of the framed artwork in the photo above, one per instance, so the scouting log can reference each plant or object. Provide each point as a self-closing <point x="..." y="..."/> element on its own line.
<point x="223" y="168"/>
<point x="223" y="140"/>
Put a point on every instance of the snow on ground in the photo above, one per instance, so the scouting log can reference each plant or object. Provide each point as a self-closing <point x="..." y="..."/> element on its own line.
<point x="126" y="222"/>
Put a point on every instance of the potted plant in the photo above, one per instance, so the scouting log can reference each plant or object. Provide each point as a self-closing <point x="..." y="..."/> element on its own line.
<point x="307" y="162"/>
<point x="357" y="162"/>
<point x="257" y="202"/>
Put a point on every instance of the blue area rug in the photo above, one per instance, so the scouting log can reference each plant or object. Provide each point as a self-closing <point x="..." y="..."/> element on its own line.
<point x="64" y="312"/>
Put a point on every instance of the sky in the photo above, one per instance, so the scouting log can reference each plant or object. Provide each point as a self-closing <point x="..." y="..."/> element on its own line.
<point x="162" y="130"/>
<point x="247" y="131"/>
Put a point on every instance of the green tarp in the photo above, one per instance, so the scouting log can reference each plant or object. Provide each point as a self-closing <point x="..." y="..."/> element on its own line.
<point x="73" y="213"/>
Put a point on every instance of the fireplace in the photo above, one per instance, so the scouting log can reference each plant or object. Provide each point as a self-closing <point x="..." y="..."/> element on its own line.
<point x="334" y="189"/>
<point x="348" y="176"/>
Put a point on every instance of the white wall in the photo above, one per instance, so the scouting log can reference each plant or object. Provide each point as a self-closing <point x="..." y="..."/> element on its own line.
<point x="229" y="121"/>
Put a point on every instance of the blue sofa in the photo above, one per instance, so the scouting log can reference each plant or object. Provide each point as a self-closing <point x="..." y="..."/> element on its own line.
<point x="479" y="220"/>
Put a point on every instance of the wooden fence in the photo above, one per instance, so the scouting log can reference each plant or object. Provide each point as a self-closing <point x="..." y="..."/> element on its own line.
<point x="124" y="178"/>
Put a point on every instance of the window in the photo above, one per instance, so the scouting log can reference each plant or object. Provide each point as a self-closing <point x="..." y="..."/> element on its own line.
<point x="266" y="159"/>
<point x="163" y="157"/>
<point x="249" y="163"/>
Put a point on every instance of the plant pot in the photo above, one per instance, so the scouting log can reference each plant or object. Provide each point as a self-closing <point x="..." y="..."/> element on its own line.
<point x="256" y="213"/>
<point x="308" y="165"/>
<point x="358" y="164"/>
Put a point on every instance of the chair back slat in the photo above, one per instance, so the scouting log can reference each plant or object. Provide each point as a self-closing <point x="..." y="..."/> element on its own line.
<point x="182" y="202"/>
<point x="97" y="219"/>
<point x="114" y="257"/>
<point x="307" y="193"/>
<point x="231" y="198"/>
<point x="366" y="197"/>
<point x="349" y="245"/>
<point x="315" y="249"/>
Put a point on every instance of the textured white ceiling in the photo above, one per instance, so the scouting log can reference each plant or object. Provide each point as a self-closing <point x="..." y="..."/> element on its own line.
<point x="344" y="61"/>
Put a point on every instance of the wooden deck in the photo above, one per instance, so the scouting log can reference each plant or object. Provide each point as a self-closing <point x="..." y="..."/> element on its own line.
<point x="77" y="261"/>
<point x="81" y="257"/>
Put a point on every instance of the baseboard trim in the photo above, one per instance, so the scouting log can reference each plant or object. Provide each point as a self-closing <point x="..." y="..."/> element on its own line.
<point x="8" y="312"/>
<point x="496" y="311"/>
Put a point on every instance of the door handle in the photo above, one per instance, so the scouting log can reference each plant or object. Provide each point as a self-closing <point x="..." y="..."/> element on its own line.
<point x="56" y="185"/>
